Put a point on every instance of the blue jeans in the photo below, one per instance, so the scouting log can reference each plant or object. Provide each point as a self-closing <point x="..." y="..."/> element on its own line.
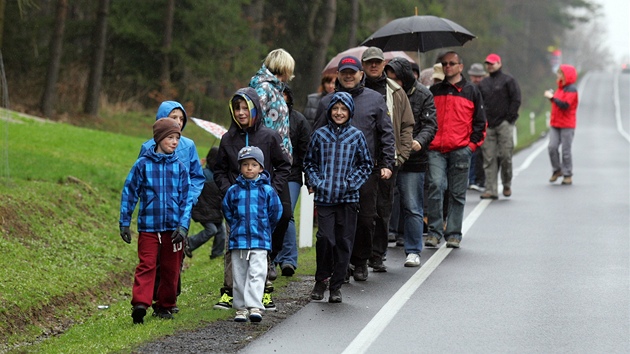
<point x="210" y="229"/>
<point x="289" y="252"/>
<point x="411" y="192"/>
<point x="448" y="171"/>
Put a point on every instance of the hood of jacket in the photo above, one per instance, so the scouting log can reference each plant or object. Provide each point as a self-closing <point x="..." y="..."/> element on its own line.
<point x="570" y="75"/>
<point x="402" y="69"/>
<point x="265" y="178"/>
<point x="253" y="102"/>
<point x="159" y="157"/>
<point x="346" y="99"/>
<point x="264" y="75"/>
<point x="167" y="107"/>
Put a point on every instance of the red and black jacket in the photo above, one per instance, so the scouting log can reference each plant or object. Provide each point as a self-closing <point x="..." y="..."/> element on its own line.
<point x="461" y="119"/>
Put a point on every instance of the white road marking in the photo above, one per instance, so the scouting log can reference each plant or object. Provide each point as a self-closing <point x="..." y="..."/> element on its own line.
<point x="618" y="108"/>
<point x="381" y="320"/>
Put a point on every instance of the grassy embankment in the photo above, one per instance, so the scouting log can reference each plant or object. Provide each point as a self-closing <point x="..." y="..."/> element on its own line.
<point x="60" y="193"/>
<point x="62" y="255"/>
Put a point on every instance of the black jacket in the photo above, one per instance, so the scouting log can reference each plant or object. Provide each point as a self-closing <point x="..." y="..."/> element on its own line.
<point x="269" y="141"/>
<point x="208" y="207"/>
<point x="501" y="98"/>
<point x="423" y="107"/>
<point x="300" y="131"/>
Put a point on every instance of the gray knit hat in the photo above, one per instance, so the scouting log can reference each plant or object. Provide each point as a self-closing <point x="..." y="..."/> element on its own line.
<point x="252" y="152"/>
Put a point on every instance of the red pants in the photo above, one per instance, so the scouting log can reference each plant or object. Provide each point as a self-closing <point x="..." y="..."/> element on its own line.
<point x="152" y="246"/>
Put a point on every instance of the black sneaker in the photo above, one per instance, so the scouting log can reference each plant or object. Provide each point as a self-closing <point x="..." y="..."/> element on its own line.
<point x="318" y="290"/>
<point x="271" y="272"/>
<point x="287" y="270"/>
<point x="335" y="296"/>
<point x="376" y="263"/>
<point x="188" y="251"/>
<point x="225" y="302"/>
<point x="165" y="314"/>
<point x="267" y="300"/>
<point x="138" y="312"/>
<point x="360" y="272"/>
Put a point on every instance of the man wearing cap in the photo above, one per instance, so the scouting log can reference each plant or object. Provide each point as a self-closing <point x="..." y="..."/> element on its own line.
<point x="477" y="176"/>
<point x="370" y="117"/>
<point x="373" y="61"/>
<point x="502" y="99"/>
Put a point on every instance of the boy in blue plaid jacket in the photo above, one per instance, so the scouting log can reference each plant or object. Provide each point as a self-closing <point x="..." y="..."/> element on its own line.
<point x="337" y="163"/>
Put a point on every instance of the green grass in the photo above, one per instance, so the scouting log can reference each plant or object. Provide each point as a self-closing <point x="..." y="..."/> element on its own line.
<point x="62" y="255"/>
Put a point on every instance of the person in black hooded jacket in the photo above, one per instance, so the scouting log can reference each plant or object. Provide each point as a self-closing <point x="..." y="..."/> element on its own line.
<point x="410" y="179"/>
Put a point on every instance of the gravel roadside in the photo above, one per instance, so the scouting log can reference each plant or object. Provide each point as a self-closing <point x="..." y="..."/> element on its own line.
<point x="227" y="336"/>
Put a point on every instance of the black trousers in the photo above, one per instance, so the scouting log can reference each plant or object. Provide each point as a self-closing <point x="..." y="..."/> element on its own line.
<point x="362" y="249"/>
<point x="335" y="237"/>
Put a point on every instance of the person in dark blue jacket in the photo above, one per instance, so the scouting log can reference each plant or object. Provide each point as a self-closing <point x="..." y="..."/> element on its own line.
<point x="161" y="183"/>
<point x="252" y="209"/>
<point x="337" y="164"/>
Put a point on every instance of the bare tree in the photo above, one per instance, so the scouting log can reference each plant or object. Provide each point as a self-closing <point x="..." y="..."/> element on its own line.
<point x="167" y="42"/>
<point x="52" y="73"/>
<point x="321" y="38"/>
<point x="98" y="58"/>
<point x="354" y="24"/>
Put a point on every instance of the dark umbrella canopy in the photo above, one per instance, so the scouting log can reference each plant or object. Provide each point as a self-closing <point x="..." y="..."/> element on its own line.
<point x="419" y="33"/>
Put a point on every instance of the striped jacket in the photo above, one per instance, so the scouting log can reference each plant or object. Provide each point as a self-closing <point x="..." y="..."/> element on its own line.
<point x="252" y="209"/>
<point x="337" y="163"/>
<point x="161" y="183"/>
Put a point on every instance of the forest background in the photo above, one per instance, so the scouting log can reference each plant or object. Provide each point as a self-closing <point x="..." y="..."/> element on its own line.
<point x="72" y="60"/>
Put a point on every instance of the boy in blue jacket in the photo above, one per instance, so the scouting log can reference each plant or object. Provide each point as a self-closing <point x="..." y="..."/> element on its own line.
<point x="161" y="183"/>
<point x="252" y="209"/>
<point x="337" y="164"/>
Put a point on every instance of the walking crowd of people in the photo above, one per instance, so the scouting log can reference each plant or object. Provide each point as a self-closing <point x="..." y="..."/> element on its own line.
<point x="388" y="152"/>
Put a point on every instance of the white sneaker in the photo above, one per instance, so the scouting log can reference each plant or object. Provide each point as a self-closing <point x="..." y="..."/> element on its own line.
<point x="255" y="314"/>
<point x="241" y="315"/>
<point x="413" y="260"/>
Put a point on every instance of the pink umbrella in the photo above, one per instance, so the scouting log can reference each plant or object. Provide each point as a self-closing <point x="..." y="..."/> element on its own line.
<point x="331" y="67"/>
<point x="212" y="128"/>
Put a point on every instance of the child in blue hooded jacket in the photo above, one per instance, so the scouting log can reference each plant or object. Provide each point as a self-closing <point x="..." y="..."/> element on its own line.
<point x="337" y="164"/>
<point x="160" y="182"/>
<point x="252" y="208"/>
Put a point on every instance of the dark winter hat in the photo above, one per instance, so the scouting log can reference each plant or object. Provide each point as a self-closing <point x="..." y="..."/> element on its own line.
<point x="373" y="53"/>
<point x="164" y="127"/>
<point x="344" y="98"/>
<point x="416" y="68"/>
<point x="350" y="62"/>
<point x="252" y="152"/>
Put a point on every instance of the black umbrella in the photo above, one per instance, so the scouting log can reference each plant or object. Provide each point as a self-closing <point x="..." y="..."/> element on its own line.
<point x="419" y="33"/>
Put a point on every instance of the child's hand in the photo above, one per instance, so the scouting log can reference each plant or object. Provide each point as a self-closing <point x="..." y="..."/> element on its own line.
<point x="125" y="233"/>
<point x="179" y="235"/>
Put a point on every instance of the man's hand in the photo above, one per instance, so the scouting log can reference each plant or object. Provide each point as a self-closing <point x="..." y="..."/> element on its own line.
<point x="386" y="173"/>
<point x="549" y="94"/>
<point x="125" y="233"/>
<point x="415" y="145"/>
<point x="179" y="235"/>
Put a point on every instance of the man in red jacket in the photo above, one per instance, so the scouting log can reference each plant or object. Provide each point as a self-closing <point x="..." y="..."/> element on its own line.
<point x="563" y="108"/>
<point x="461" y="130"/>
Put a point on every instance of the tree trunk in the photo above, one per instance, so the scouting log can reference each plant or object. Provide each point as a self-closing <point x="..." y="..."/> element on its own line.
<point x="165" y="72"/>
<point x="99" y="43"/>
<point x="321" y="42"/>
<point x="56" y="43"/>
<point x="354" y="24"/>
<point x="254" y="11"/>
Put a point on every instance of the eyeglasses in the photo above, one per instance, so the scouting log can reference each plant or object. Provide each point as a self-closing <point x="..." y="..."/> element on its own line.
<point x="449" y="63"/>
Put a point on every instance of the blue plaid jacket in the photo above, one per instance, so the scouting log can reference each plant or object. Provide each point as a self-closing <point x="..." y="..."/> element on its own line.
<point x="337" y="163"/>
<point x="161" y="183"/>
<point x="252" y="208"/>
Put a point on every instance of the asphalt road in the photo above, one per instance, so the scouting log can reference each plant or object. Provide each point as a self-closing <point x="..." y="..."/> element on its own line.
<point x="546" y="270"/>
